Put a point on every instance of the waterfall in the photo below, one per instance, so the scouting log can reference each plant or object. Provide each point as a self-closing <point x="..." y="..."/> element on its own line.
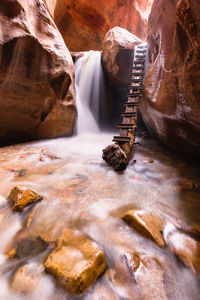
<point x="89" y="87"/>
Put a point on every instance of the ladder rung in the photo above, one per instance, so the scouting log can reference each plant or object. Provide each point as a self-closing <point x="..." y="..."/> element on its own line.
<point x="135" y="88"/>
<point x="137" y="73"/>
<point x="141" y="51"/>
<point x="138" y="68"/>
<point x="121" y="139"/>
<point x="139" y="56"/>
<point x="142" y="46"/>
<point x="137" y="80"/>
<point x="131" y="104"/>
<point x="126" y="126"/>
<point x="129" y="114"/>
<point x="137" y="62"/>
<point x="134" y="95"/>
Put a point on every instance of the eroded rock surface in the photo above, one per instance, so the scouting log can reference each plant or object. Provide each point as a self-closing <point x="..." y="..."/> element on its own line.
<point x="118" y="52"/>
<point x="36" y="74"/>
<point x="184" y="246"/>
<point x="77" y="262"/>
<point x="146" y="223"/>
<point x="83" y="23"/>
<point x="171" y="106"/>
<point x="21" y="196"/>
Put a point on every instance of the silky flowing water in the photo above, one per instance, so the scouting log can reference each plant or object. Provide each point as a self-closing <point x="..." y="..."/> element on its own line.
<point x="82" y="192"/>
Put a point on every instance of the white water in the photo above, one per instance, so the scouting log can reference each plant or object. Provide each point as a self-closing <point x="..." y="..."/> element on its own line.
<point x="89" y="87"/>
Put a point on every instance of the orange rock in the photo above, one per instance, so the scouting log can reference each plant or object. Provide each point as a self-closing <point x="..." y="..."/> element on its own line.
<point x="147" y="224"/>
<point x="184" y="246"/>
<point x="76" y="262"/>
<point x="170" y="105"/>
<point x="83" y="23"/>
<point x="21" y="196"/>
<point x="118" y="52"/>
<point x="36" y="74"/>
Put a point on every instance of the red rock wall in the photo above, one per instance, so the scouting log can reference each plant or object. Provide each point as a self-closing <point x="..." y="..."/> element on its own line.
<point x="171" y="106"/>
<point x="36" y="71"/>
<point x="83" y="23"/>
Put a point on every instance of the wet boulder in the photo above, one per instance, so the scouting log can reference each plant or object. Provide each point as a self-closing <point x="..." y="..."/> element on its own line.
<point x="118" y="53"/>
<point x="146" y="223"/>
<point x="185" y="246"/>
<point x="36" y="74"/>
<point x="21" y="196"/>
<point x="76" y="262"/>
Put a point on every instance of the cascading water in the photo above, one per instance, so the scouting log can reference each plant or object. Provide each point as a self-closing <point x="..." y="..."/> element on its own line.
<point x="90" y="90"/>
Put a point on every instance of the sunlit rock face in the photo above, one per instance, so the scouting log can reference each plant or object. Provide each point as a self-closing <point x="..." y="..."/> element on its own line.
<point x="36" y="73"/>
<point x="83" y="23"/>
<point x="118" y="52"/>
<point x="171" y="105"/>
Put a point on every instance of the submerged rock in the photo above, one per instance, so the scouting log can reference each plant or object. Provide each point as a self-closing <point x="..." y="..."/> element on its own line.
<point x="21" y="196"/>
<point x="146" y="223"/>
<point x="184" y="246"/>
<point x="76" y="262"/>
<point x="24" y="245"/>
<point x="150" y="278"/>
<point x="36" y="74"/>
<point x="26" y="279"/>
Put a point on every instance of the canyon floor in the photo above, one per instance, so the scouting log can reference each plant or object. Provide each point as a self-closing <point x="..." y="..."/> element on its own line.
<point x="82" y="193"/>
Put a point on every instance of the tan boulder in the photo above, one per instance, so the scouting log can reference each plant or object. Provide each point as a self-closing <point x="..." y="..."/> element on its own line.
<point x="170" y="106"/>
<point x="76" y="262"/>
<point x="21" y="196"/>
<point x="36" y="74"/>
<point x="118" y="52"/>
<point x="146" y="223"/>
<point x="184" y="246"/>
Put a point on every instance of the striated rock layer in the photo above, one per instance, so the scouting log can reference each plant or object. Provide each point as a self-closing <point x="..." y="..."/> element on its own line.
<point x="83" y="23"/>
<point x="36" y="72"/>
<point x="171" y="105"/>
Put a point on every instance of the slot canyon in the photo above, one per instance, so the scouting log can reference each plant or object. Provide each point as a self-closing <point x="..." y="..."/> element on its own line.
<point x="100" y="150"/>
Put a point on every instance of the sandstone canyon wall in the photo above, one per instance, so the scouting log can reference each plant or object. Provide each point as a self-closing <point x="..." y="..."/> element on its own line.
<point x="171" y="105"/>
<point x="36" y="74"/>
<point x="83" y="23"/>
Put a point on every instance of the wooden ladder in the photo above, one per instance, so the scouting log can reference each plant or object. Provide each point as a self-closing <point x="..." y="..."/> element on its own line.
<point x="129" y="116"/>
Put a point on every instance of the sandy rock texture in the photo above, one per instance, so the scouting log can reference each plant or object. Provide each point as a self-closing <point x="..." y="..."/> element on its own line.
<point x="20" y="196"/>
<point x="118" y="53"/>
<point x="36" y="72"/>
<point x="76" y="262"/>
<point x="171" y="105"/>
<point x="83" y="23"/>
<point x="146" y="223"/>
